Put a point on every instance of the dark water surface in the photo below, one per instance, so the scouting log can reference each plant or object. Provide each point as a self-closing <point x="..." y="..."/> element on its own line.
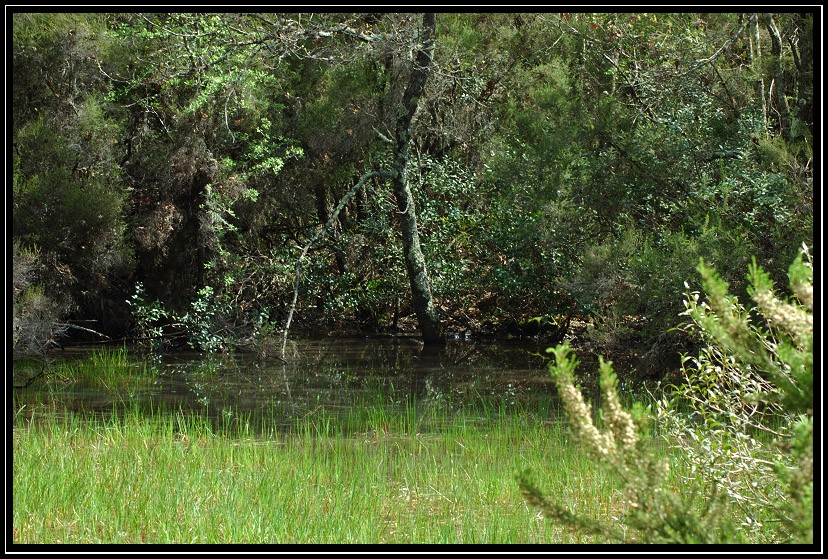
<point x="331" y="374"/>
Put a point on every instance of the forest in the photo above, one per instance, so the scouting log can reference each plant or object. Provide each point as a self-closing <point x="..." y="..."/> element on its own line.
<point x="548" y="167"/>
<point x="220" y="182"/>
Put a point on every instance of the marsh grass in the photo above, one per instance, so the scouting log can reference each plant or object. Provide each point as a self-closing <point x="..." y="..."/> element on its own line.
<point x="110" y="374"/>
<point x="110" y="368"/>
<point x="381" y="467"/>
<point x="369" y="474"/>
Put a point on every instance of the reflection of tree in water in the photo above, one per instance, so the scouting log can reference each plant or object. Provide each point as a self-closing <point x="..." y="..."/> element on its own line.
<point x="466" y="374"/>
<point x="331" y="376"/>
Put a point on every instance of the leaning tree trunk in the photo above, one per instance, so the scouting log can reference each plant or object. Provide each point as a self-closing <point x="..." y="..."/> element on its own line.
<point x="422" y="300"/>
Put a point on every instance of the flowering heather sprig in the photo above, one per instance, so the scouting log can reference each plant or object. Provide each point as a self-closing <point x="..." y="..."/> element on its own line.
<point x="620" y="435"/>
<point x="620" y="421"/>
<point x="805" y="293"/>
<point x="801" y="275"/>
<point x="576" y="408"/>
<point x="793" y="319"/>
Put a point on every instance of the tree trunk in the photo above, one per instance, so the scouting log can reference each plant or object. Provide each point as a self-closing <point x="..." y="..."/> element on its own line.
<point x="422" y="300"/>
<point x="756" y="61"/>
<point x="777" y="77"/>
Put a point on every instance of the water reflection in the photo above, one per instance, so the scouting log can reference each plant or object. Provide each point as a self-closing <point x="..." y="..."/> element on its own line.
<point x="334" y="374"/>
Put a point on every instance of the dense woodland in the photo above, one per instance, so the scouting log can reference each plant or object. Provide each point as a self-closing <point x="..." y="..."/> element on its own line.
<point x="178" y="176"/>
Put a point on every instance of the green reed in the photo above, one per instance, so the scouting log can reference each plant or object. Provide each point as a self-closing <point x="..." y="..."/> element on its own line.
<point x="373" y="473"/>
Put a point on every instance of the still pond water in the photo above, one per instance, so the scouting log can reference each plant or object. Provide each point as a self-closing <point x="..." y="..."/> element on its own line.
<point x="334" y="375"/>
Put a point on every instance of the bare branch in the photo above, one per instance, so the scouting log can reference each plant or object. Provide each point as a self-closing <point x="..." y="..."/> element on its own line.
<point x="317" y="236"/>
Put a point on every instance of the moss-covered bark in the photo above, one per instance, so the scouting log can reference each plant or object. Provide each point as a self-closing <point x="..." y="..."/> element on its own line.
<point x="422" y="299"/>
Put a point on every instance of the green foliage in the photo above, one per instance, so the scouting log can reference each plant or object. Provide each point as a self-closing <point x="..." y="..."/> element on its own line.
<point x="621" y="131"/>
<point x="782" y="352"/>
<point x="741" y="423"/>
<point x="586" y="157"/>
<point x="207" y="139"/>
<point x="63" y="202"/>
<point x="202" y="322"/>
<point x="68" y="191"/>
<point x="148" y="317"/>
<point x="485" y="245"/>
<point x="650" y="510"/>
<point x="448" y="222"/>
<point x="269" y="152"/>
<point x="35" y="316"/>
<point x="750" y="398"/>
<point x="52" y="54"/>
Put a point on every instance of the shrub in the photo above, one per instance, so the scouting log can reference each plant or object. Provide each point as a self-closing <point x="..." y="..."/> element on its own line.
<point x="203" y="324"/>
<point x="147" y="316"/>
<point x="740" y="426"/>
<point x="652" y="513"/>
<point x="743" y="417"/>
<point x="35" y="316"/>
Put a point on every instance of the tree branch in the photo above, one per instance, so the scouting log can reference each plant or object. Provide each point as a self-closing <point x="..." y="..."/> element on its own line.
<point x="316" y="237"/>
